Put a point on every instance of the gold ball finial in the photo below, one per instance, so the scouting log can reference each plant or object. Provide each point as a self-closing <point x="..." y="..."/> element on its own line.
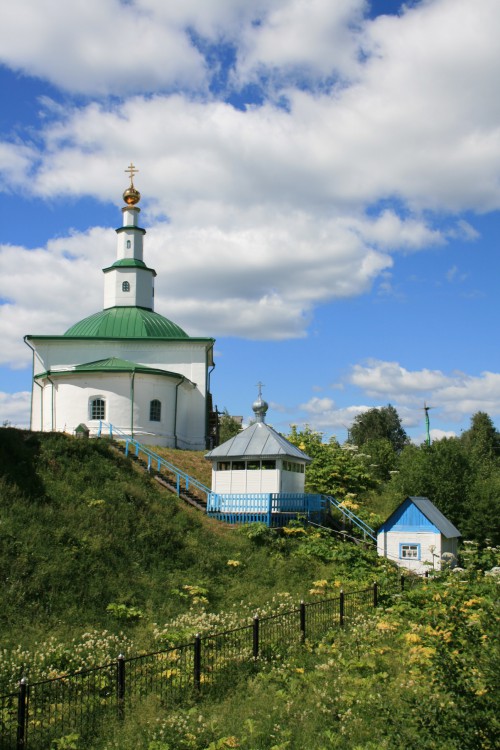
<point x="131" y="196"/>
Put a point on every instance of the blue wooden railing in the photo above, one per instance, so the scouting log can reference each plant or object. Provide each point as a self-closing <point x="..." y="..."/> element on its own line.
<point x="153" y="459"/>
<point x="271" y="508"/>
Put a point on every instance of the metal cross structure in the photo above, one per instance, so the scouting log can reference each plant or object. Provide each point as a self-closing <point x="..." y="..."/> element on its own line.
<point x="132" y="171"/>
<point x="427" y="423"/>
<point x="260" y="386"/>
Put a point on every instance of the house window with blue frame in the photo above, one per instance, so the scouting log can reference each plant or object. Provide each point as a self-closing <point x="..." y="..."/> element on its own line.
<point x="155" y="410"/>
<point x="97" y="408"/>
<point x="409" y="551"/>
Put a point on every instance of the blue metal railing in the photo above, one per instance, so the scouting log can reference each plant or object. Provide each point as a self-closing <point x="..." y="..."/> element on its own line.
<point x="362" y="525"/>
<point x="154" y="459"/>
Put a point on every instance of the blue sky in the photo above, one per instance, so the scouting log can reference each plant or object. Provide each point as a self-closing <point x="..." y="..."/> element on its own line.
<point x="321" y="191"/>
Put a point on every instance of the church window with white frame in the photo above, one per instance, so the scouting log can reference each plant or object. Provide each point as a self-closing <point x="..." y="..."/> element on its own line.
<point x="97" y="408"/>
<point x="155" y="411"/>
<point x="126" y="286"/>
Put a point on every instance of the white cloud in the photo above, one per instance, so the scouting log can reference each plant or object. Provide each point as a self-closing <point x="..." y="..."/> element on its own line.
<point x="304" y="38"/>
<point x="452" y="396"/>
<point x="98" y="46"/>
<point x="386" y="379"/>
<point x="15" y="409"/>
<point x="323" y="414"/>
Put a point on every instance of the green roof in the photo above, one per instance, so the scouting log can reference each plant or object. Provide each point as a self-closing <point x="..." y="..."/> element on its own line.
<point x="129" y="263"/>
<point x="127" y="323"/>
<point x="112" y="364"/>
<point x="115" y="364"/>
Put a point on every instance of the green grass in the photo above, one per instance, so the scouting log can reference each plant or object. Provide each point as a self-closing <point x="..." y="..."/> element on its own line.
<point x="96" y="558"/>
<point x="89" y="540"/>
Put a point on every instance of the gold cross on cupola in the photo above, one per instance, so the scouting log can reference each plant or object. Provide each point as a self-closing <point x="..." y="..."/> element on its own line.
<point x="131" y="170"/>
<point x="131" y="196"/>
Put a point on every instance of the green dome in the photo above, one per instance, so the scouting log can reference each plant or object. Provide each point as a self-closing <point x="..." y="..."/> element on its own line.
<point x="127" y="323"/>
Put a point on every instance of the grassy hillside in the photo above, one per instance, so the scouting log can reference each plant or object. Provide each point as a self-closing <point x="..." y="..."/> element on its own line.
<point x="95" y="558"/>
<point x="192" y="462"/>
<point x="87" y="539"/>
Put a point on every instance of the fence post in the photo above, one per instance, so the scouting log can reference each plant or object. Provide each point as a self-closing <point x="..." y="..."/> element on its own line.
<point x="375" y="593"/>
<point x="197" y="661"/>
<point x="120" y="685"/>
<point x="255" y="636"/>
<point x="341" y="608"/>
<point x="402" y="582"/>
<point x="22" y="710"/>
<point x="269" y="510"/>
<point x="302" y="622"/>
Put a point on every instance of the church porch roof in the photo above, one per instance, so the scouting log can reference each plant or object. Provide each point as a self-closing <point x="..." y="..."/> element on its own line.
<point x="113" y="365"/>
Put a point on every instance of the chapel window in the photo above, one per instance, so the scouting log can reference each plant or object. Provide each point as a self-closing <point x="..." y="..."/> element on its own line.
<point x="129" y="244"/>
<point x="126" y="286"/>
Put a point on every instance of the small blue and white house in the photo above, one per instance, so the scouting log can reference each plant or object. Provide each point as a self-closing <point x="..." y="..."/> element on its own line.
<point x="418" y="536"/>
<point x="258" y="475"/>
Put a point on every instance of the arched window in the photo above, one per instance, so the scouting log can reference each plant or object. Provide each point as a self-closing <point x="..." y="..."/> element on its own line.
<point x="155" y="410"/>
<point x="129" y="244"/>
<point x="97" y="408"/>
<point x="126" y="286"/>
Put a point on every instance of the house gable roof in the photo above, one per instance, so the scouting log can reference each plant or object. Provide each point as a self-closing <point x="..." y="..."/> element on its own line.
<point x="419" y="514"/>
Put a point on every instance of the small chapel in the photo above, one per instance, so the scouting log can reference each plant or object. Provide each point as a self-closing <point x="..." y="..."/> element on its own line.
<point x="126" y="366"/>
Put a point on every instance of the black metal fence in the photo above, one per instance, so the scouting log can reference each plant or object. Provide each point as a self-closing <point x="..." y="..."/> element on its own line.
<point x="40" y="712"/>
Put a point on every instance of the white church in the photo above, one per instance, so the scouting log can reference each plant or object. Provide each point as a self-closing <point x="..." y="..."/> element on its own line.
<point x="125" y="366"/>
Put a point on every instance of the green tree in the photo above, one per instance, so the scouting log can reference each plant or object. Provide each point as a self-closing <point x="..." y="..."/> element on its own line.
<point x="441" y="472"/>
<point x="482" y="440"/>
<point x="483" y="518"/>
<point x="376" y="424"/>
<point x="379" y="457"/>
<point x="228" y="427"/>
<point x="335" y="470"/>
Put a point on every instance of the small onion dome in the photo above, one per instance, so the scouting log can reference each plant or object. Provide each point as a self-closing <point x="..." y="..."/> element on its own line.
<point x="131" y="196"/>
<point x="260" y="408"/>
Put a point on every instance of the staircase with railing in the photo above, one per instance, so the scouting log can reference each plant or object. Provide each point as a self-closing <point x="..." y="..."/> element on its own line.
<point x="333" y="505"/>
<point x="197" y="494"/>
<point x="167" y="474"/>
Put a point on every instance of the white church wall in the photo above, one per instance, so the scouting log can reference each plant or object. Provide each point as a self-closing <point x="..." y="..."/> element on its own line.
<point x="135" y="249"/>
<point x="191" y="418"/>
<point x="66" y="404"/>
<point x="139" y="292"/>
<point x="187" y="359"/>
